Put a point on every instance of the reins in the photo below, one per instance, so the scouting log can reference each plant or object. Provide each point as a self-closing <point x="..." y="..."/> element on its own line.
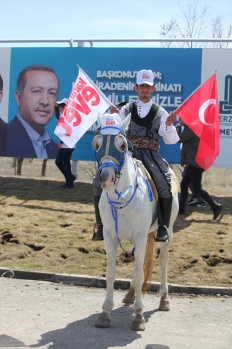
<point x="122" y="204"/>
<point x="122" y="196"/>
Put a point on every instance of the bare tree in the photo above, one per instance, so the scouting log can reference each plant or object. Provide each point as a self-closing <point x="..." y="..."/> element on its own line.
<point x="221" y="29"/>
<point x="194" y="22"/>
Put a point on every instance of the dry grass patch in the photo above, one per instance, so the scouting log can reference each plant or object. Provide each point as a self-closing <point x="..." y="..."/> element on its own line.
<point x="46" y="228"/>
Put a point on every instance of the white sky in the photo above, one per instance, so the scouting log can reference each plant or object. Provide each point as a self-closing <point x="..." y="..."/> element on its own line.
<point x="94" y="19"/>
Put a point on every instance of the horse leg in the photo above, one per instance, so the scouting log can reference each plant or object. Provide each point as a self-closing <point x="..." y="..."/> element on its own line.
<point x="148" y="268"/>
<point x="164" y="248"/>
<point x="138" y="323"/>
<point x="164" y="299"/>
<point x="104" y="319"/>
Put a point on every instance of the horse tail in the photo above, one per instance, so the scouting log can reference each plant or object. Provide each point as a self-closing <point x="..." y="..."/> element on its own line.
<point x="148" y="261"/>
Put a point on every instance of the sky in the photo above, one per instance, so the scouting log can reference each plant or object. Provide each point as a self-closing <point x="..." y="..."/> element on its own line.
<point x="95" y="19"/>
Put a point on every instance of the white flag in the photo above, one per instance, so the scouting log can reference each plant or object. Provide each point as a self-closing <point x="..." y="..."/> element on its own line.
<point x="85" y="103"/>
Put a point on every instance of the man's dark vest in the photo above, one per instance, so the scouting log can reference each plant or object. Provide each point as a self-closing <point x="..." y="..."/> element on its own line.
<point x="143" y="132"/>
<point x="146" y="122"/>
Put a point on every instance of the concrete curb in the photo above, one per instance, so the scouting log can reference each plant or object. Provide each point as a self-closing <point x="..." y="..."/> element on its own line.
<point x="122" y="284"/>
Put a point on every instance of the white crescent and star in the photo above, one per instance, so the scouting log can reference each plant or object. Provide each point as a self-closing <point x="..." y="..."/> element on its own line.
<point x="203" y="108"/>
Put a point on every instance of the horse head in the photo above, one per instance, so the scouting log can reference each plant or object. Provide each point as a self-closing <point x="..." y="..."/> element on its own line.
<point x="110" y="147"/>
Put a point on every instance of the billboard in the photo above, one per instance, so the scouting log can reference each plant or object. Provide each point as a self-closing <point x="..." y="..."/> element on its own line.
<point x="178" y="72"/>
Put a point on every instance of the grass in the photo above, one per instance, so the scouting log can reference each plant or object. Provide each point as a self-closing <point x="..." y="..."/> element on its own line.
<point x="46" y="228"/>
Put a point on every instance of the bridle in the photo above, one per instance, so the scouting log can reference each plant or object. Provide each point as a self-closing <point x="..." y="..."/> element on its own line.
<point x="109" y="150"/>
<point x="118" y="159"/>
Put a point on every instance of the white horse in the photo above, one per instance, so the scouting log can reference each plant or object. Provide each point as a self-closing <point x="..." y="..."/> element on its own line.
<point x="128" y="210"/>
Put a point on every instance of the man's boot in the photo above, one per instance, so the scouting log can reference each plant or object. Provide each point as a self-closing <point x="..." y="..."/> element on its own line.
<point x="98" y="227"/>
<point x="164" y="214"/>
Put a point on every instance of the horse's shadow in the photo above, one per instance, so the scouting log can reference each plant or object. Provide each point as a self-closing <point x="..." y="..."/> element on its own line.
<point x="83" y="334"/>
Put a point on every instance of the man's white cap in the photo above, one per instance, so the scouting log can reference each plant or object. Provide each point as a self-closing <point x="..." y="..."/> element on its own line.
<point x="63" y="101"/>
<point x="145" y="77"/>
<point x="111" y="124"/>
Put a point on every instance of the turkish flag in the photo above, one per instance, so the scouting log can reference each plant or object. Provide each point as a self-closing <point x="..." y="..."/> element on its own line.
<point x="200" y="113"/>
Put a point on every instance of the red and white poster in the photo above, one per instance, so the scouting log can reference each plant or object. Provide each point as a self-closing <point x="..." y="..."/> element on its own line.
<point x="84" y="105"/>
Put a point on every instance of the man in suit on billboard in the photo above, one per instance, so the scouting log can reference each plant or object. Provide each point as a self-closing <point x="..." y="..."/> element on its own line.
<point x="35" y="95"/>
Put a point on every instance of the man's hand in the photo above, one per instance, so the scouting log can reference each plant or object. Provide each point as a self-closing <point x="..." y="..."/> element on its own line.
<point x="114" y="109"/>
<point x="171" y="118"/>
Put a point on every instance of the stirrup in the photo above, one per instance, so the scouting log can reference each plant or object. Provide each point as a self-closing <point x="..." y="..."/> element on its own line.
<point x="164" y="234"/>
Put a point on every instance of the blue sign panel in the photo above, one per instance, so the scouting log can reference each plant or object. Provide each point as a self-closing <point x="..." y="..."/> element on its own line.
<point x="177" y="74"/>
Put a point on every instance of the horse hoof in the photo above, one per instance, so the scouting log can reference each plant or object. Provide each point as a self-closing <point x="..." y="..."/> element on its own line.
<point x="164" y="306"/>
<point x="129" y="297"/>
<point x="138" y="324"/>
<point x="127" y="300"/>
<point x="103" y="321"/>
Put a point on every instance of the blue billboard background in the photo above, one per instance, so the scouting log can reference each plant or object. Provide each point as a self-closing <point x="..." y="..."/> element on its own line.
<point x="179" y="70"/>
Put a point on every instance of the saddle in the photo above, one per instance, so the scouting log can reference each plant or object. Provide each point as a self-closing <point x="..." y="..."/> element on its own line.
<point x="143" y="171"/>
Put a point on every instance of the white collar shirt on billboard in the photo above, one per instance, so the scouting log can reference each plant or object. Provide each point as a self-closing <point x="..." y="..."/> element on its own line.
<point x="39" y="142"/>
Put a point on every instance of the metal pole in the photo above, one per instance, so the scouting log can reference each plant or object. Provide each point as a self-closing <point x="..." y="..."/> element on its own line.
<point x="91" y="41"/>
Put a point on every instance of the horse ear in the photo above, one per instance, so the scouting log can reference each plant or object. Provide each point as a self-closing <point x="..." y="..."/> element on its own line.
<point x="120" y="143"/>
<point x="97" y="142"/>
<point x="126" y="122"/>
<point x="99" y="120"/>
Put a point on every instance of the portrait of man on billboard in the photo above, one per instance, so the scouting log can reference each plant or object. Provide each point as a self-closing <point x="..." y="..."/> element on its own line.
<point x="36" y="94"/>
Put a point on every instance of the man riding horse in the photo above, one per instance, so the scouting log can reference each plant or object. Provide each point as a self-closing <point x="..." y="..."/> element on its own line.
<point x="149" y="122"/>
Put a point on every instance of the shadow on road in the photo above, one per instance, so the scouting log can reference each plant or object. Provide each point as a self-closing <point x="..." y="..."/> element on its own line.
<point x="84" y="335"/>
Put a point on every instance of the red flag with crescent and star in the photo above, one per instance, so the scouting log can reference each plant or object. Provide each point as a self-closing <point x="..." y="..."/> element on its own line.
<point x="200" y="113"/>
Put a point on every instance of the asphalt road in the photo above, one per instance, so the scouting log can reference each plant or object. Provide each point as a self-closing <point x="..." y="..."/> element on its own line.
<point x="41" y="314"/>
